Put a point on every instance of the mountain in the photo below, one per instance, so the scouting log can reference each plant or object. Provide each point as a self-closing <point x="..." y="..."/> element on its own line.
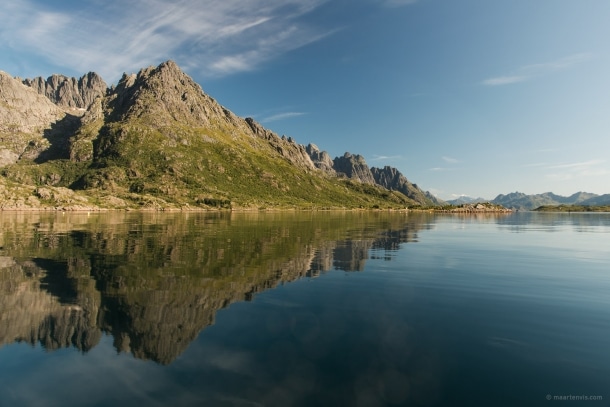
<point x="27" y="121"/>
<point x="521" y="201"/>
<point x="156" y="140"/>
<point x="596" y="200"/>
<point x="70" y="92"/>
<point x="466" y="200"/>
<point x="392" y="179"/>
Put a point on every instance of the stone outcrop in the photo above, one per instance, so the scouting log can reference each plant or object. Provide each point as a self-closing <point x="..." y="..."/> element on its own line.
<point x="26" y="120"/>
<point x="355" y="167"/>
<point x="392" y="179"/>
<point x="286" y="147"/>
<point x="481" y="207"/>
<point x="70" y="92"/>
<point x="321" y="159"/>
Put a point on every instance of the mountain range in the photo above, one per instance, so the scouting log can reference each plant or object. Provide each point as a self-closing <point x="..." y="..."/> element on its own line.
<point x="521" y="201"/>
<point x="156" y="140"/>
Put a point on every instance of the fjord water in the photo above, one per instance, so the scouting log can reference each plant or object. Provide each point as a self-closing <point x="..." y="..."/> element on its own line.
<point x="279" y="309"/>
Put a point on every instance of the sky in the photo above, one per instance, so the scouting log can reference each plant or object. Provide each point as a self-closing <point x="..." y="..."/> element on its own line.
<point x="464" y="97"/>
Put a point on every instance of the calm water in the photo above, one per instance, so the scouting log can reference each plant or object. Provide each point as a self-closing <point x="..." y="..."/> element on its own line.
<point x="332" y="309"/>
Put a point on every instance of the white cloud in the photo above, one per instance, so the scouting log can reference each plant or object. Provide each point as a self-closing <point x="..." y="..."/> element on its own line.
<point x="581" y="169"/>
<point x="398" y="3"/>
<point x="282" y="116"/>
<point x="450" y="160"/>
<point x="529" y="72"/>
<point x="377" y="157"/>
<point x="579" y="165"/>
<point x="505" y="80"/>
<point x="215" y="37"/>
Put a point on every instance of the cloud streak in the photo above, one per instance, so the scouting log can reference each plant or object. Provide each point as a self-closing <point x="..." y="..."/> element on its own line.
<point x="282" y="116"/>
<point x="377" y="157"/>
<point x="216" y="38"/>
<point x="528" y="72"/>
<point x="450" y="160"/>
<point x="570" y="171"/>
<point x="398" y="3"/>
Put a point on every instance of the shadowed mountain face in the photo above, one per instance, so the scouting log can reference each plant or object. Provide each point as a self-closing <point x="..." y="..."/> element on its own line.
<point x="155" y="281"/>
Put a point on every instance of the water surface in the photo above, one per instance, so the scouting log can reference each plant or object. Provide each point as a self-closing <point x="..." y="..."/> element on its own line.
<point x="370" y="309"/>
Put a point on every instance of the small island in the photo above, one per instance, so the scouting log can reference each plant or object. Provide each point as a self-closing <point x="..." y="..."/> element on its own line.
<point x="573" y="208"/>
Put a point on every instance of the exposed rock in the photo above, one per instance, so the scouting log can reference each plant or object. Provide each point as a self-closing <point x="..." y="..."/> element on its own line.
<point x="286" y="147"/>
<point x="7" y="157"/>
<point x="354" y="167"/>
<point x="70" y="92"/>
<point x="482" y="207"/>
<point x="392" y="179"/>
<point x="321" y="159"/>
<point x="27" y="120"/>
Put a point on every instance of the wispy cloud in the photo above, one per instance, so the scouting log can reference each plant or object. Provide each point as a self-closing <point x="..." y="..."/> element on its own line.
<point x="543" y="164"/>
<point x="578" y="165"/>
<point x="580" y="169"/>
<point x="450" y="160"/>
<point x="377" y="157"/>
<point x="282" y="116"/>
<point x="528" y="72"/>
<point x="215" y="37"/>
<point x="505" y="80"/>
<point x="398" y="3"/>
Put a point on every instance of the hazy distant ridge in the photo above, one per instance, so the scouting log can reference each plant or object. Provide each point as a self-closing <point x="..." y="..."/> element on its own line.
<point x="521" y="201"/>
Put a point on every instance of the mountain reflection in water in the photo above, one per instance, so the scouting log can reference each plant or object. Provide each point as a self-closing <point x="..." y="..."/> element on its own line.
<point x="154" y="281"/>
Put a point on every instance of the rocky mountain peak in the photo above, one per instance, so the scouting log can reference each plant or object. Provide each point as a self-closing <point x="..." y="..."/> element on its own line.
<point x="177" y="98"/>
<point x="321" y="159"/>
<point x="26" y="120"/>
<point x="70" y="92"/>
<point x="354" y="166"/>
<point x="392" y="179"/>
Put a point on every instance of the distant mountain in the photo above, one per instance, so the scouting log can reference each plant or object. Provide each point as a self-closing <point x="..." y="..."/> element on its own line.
<point x="156" y="140"/>
<point x="466" y="200"/>
<point x="521" y="201"/>
<point x="597" y="200"/>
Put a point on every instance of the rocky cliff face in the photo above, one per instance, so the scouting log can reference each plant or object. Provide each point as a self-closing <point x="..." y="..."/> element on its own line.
<point x="70" y="92"/>
<point x="394" y="180"/>
<point x="26" y="121"/>
<point x="353" y="166"/>
<point x="321" y="159"/>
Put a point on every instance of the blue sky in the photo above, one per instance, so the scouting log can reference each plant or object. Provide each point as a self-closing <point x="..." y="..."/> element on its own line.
<point x="475" y="97"/>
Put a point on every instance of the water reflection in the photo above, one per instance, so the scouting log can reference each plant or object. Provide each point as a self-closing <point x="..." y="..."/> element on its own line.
<point x="154" y="281"/>
<point x="552" y="222"/>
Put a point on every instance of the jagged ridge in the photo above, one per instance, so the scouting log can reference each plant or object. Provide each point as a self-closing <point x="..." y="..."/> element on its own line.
<point x="157" y="134"/>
